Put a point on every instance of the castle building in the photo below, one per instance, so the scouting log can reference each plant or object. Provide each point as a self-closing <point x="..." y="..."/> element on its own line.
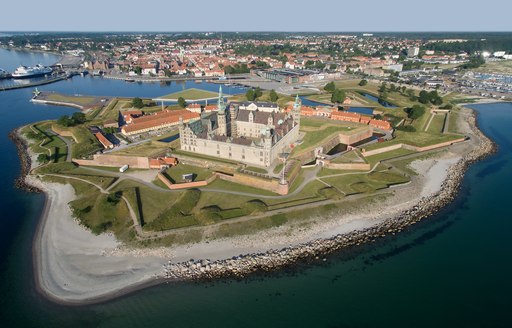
<point x="241" y="132"/>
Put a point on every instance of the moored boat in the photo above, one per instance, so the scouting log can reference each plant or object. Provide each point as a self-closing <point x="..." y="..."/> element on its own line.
<point x="26" y="72"/>
<point x="4" y="74"/>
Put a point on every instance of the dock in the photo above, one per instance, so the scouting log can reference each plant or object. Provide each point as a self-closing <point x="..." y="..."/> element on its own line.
<point x="37" y="83"/>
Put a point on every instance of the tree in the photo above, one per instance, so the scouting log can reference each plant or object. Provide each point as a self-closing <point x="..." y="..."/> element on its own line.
<point x="435" y="98"/>
<point x="332" y="67"/>
<point x="250" y="95"/>
<point x="329" y="87"/>
<point x="382" y="87"/>
<point x="273" y="95"/>
<point x="257" y="93"/>
<point x="362" y="83"/>
<point x="383" y="95"/>
<point x="43" y="158"/>
<point x="410" y="94"/>
<point x="338" y="96"/>
<point x="65" y="120"/>
<point x="415" y="112"/>
<point x="182" y="102"/>
<point x="114" y="197"/>
<point x="137" y="102"/>
<point x="78" y="118"/>
<point x="424" y="97"/>
<point x="138" y="70"/>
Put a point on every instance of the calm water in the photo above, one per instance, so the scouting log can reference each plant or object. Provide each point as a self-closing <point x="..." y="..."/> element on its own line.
<point x="361" y="110"/>
<point x="378" y="100"/>
<point x="452" y="270"/>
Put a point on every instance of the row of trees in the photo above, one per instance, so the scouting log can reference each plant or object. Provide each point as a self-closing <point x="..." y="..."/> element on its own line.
<point x="254" y="94"/>
<point x="432" y="97"/>
<point x="236" y="69"/>
<point x="75" y="119"/>
<point x="337" y="95"/>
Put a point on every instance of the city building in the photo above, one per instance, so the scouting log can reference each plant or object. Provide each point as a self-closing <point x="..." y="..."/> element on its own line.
<point x="158" y="121"/>
<point x="413" y="52"/>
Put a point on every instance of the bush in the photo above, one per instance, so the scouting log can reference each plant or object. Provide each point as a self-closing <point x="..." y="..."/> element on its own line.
<point x="254" y="206"/>
<point x="137" y="102"/>
<point x="406" y="128"/>
<point x="362" y="83"/>
<point x="115" y="197"/>
<point x="43" y="158"/>
<point x="415" y="112"/>
<point x="329" y="87"/>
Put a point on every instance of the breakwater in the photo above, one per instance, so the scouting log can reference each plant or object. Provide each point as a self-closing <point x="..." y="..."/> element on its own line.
<point x="244" y="265"/>
<point x="26" y="162"/>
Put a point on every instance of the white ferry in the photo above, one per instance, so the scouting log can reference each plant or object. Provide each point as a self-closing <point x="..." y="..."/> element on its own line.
<point x="25" y="72"/>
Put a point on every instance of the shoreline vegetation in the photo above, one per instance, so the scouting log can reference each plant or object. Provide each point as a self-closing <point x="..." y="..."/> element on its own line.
<point x="146" y="267"/>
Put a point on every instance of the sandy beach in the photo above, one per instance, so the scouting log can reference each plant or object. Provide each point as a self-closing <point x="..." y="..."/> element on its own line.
<point x="71" y="261"/>
<point x="74" y="266"/>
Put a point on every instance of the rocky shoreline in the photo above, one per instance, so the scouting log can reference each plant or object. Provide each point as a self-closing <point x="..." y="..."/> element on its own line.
<point x="26" y="162"/>
<point x="243" y="265"/>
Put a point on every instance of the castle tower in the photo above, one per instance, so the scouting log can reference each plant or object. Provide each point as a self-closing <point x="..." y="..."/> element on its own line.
<point x="296" y="110"/>
<point x="221" y="104"/>
<point x="233" y="113"/>
<point x="221" y="114"/>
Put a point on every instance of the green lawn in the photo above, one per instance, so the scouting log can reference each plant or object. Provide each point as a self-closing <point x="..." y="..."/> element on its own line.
<point x="453" y="117"/>
<point x="350" y="157"/>
<point x="282" y="101"/>
<point x="78" y="100"/>
<point x="363" y="183"/>
<point x="45" y="143"/>
<point x="231" y="186"/>
<point x="256" y="169"/>
<point x="96" y="212"/>
<point x="312" y="139"/>
<point x="146" y="149"/>
<point x="190" y="95"/>
<point x="176" y="172"/>
<point x="437" y="124"/>
<point x="388" y="155"/>
<point x="153" y="202"/>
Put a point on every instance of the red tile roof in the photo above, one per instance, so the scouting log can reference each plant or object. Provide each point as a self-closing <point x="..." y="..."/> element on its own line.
<point x="104" y="141"/>
<point x="160" y="119"/>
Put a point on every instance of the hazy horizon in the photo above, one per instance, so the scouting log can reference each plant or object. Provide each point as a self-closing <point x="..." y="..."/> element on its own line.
<point x="262" y="16"/>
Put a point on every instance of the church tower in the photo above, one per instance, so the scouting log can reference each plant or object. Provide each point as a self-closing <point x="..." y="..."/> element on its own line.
<point x="296" y="110"/>
<point x="221" y="114"/>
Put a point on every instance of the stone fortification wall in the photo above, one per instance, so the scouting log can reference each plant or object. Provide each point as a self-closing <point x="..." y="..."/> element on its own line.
<point x="414" y="148"/>
<point x="333" y="141"/>
<point x="175" y="186"/>
<point x="356" y="137"/>
<point x="347" y="166"/>
<point x="252" y="181"/>
<point x="115" y="160"/>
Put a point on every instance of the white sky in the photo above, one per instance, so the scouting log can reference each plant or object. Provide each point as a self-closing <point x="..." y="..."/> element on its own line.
<point x="259" y="15"/>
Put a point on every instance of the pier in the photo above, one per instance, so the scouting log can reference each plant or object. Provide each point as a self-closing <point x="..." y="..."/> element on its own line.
<point x="36" y="83"/>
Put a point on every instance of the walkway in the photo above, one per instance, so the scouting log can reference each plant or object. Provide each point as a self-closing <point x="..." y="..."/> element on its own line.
<point x="65" y="140"/>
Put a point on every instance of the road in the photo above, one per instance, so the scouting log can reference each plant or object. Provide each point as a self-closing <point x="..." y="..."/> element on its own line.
<point x="66" y="141"/>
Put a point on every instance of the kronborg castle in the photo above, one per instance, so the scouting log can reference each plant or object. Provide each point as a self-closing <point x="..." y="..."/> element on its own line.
<point x="251" y="133"/>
